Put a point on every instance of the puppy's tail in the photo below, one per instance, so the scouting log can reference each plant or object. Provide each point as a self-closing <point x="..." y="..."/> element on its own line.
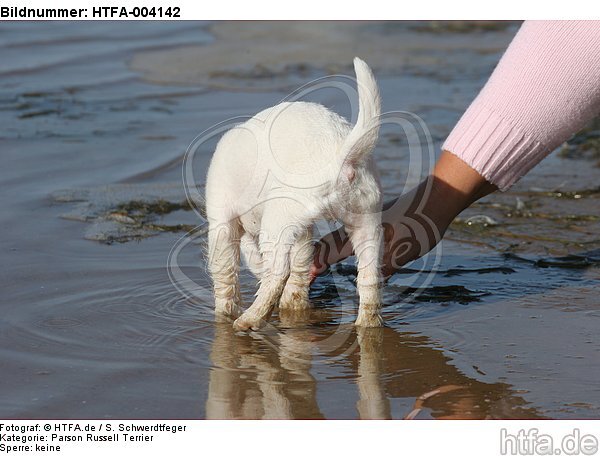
<point x="363" y="137"/>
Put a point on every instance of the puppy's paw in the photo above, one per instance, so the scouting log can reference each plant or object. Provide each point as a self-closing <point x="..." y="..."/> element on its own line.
<point x="249" y="321"/>
<point x="369" y="320"/>
<point x="294" y="298"/>
<point x="227" y="310"/>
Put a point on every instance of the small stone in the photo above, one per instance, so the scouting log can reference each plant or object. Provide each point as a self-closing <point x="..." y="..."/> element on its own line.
<point x="482" y="220"/>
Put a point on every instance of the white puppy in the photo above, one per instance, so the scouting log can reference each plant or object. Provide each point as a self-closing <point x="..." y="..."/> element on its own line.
<point x="270" y="179"/>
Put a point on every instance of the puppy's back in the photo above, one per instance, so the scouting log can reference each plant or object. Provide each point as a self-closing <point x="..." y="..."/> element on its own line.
<point x="297" y="142"/>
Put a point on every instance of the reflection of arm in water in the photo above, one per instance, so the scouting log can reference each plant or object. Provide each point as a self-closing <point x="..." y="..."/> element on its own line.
<point x="391" y="365"/>
<point x="544" y="89"/>
<point x="271" y="377"/>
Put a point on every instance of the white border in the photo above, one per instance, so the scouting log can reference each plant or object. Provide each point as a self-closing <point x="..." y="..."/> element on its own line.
<point x="346" y="10"/>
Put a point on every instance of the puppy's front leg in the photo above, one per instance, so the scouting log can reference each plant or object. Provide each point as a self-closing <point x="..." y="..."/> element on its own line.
<point x="251" y="254"/>
<point x="367" y="240"/>
<point x="275" y="246"/>
<point x="295" y="293"/>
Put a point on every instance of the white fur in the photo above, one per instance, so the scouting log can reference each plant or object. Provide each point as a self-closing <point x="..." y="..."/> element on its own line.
<point x="270" y="179"/>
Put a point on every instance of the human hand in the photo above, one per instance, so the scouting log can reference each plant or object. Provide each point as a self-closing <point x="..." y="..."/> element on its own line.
<point x="415" y="222"/>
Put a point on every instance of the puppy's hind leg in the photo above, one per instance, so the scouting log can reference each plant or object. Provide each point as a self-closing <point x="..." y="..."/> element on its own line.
<point x="367" y="241"/>
<point x="223" y="264"/>
<point x="295" y="293"/>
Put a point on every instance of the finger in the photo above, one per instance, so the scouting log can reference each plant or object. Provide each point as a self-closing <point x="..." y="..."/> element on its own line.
<point x="331" y="249"/>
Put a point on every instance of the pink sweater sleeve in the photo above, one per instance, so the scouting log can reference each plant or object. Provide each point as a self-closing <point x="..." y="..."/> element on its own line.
<point x="545" y="88"/>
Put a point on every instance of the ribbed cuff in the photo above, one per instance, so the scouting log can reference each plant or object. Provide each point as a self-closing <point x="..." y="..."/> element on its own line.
<point x="489" y="144"/>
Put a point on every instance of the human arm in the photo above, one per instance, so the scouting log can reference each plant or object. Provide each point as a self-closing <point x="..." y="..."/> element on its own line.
<point x="544" y="89"/>
<point x="414" y="223"/>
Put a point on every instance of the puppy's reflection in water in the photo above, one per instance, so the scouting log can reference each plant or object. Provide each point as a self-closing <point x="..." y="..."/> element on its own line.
<point x="268" y="376"/>
<point x="373" y="402"/>
<point x="258" y="376"/>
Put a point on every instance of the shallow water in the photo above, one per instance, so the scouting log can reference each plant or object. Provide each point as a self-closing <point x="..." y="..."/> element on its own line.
<point x="96" y="118"/>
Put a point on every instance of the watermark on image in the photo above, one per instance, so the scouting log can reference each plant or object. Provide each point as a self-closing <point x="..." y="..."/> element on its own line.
<point x="533" y="442"/>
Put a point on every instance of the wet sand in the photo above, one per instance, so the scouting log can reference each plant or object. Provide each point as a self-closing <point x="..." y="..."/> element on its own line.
<point x="96" y="118"/>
